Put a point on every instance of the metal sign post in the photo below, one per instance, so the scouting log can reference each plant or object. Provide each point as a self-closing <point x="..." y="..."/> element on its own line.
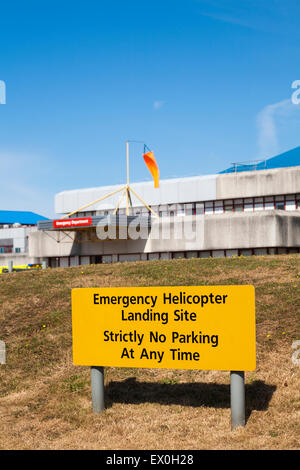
<point x="237" y="398"/>
<point x="237" y="395"/>
<point x="97" y="385"/>
<point x="2" y="353"/>
<point x="179" y="344"/>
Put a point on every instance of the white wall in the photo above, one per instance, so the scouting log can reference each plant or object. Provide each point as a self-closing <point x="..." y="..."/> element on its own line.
<point x="19" y="236"/>
<point x="173" y="191"/>
<point x="185" y="190"/>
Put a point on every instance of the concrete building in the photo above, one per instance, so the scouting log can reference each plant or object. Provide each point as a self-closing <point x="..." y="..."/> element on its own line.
<point x="249" y="209"/>
<point x="15" y="227"/>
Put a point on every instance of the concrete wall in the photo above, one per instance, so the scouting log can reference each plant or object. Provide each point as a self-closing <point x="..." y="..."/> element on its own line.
<point x="18" y="259"/>
<point x="171" y="191"/>
<point x="213" y="232"/>
<point x="185" y="190"/>
<point x="258" y="183"/>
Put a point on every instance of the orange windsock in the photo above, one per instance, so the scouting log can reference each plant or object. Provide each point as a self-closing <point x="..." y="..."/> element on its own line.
<point x="152" y="166"/>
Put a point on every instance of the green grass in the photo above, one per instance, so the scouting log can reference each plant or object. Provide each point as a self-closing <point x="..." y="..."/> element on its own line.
<point x="35" y="315"/>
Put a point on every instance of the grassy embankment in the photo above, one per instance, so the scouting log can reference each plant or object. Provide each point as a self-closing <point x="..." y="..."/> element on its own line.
<point x="45" y="400"/>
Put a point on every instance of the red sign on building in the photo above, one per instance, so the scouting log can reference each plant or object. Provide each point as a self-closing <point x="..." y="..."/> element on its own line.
<point x="71" y="223"/>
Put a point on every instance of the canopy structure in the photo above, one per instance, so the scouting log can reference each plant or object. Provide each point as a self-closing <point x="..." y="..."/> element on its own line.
<point x="70" y="223"/>
<point x="86" y="223"/>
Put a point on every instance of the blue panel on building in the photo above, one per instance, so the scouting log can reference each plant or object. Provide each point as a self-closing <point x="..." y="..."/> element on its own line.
<point x="21" y="217"/>
<point x="286" y="159"/>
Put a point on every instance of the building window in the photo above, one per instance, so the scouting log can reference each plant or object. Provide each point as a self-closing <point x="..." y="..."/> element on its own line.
<point x="192" y="254"/>
<point x="248" y="205"/>
<point x="260" y="251"/>
<point x="279" y="205"/>
<point x="245" y="252"/>
<point x="218" y="253"/>
<point x="153" y="256"/>
<point x="228" y="205"/>
<point x="230" y="253"/>
<point x="178" y="255"/>
<point x="258" y="204"/>
<point x="6" y="249"/>
<point x="219" y="209"/>
<point x="238" y="205"/>
<point x="190" y="211"/>
<point x="290" y="202"/>
<point x="209" y="208"/>
<point x="204" y="254"/>
<point x="269" y="203"/>
<point x="127" y="257"/>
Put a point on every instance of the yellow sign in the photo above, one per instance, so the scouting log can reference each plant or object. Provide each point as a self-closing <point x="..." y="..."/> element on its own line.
<point x="198" y="327"/>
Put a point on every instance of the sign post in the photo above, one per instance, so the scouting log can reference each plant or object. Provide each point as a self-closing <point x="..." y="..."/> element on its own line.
<point x="2" y="352"/>
<point x="182" y="327"/>
<point x="237" y="398"/>
<point x="97" y="385"/>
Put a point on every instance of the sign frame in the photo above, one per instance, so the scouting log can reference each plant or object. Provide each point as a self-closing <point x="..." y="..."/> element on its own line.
<point x="237" y="374"/>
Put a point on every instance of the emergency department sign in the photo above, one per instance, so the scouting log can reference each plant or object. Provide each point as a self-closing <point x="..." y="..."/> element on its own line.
<point x="194" y="327"/>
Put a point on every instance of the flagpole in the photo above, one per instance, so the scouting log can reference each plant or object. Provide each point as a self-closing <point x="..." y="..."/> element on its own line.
<point x="126" y="188"/>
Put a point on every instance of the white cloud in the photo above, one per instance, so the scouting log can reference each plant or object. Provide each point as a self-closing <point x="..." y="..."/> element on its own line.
<point x="2" y="92"/>
<point x="275" y="121"/>
<point x="158" y="104"/>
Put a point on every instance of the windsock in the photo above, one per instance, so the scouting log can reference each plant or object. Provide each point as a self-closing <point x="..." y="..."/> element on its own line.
<point x="152" y="166"/>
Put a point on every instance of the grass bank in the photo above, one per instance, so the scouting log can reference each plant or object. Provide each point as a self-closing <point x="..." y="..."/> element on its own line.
<point x="45" y="400"/>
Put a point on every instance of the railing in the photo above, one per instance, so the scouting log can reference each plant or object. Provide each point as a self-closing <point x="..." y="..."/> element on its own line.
<point x="249" y="165"/>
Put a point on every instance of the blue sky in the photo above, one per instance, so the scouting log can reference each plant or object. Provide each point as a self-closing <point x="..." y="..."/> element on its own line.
<point x="203" y="83"/>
